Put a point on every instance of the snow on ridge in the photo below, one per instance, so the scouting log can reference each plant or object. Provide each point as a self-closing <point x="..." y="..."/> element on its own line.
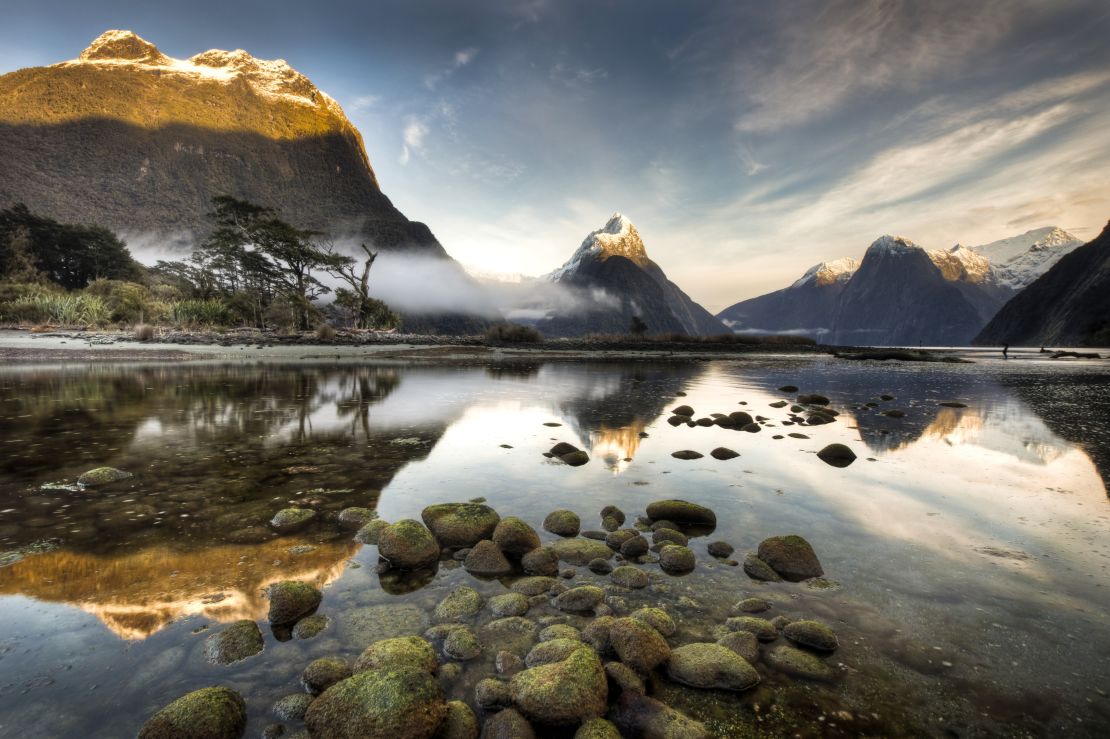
<point x="888" y="244"/>
<point x="618" y="237"/>
<point x="273" y="78"/>
<point x="826" y="273"/>
<point x="962" y="264"/>
<point x="1019" y="260"/>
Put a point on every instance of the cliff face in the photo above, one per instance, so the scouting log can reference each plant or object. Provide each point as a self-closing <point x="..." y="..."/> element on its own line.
<point x="127" y="138"/>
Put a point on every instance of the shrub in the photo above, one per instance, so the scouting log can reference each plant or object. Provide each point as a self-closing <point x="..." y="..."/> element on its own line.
<point x="144" y="332"/>
<point x="129" y="302"/>
<point x="201" y="312"/>
<point x="60" y="309"/>
<point x="513" y="333"/>
<point x="324" y="332"/>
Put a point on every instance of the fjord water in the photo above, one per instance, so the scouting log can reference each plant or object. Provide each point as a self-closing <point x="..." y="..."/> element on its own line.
<point x="966" y="551"/>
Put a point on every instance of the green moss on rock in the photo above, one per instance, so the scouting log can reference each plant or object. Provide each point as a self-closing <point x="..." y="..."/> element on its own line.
<point x="403" y="651"/>
<point x="292" y="600"/>
<point x="399" y="703"/>
<point x="208" y="713"/>
<point x="457" y="525"/>
<point x="562" y="693"/>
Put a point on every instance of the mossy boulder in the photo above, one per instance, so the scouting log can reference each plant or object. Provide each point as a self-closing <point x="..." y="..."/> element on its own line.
<point x="744" y="643"/>
<point x="509" y="604"/>
<point x="623" y="678"/>
<point x="799" y="663"/>
<point x="676" y="558"/>
<point x="597" y="728"/>
<point x="400" y="652"/>
<point x="236" y="642"/>
<point x="508" y="724"/>
<point x="636" y="546"/>
<point x="580" y="599"/>
<point x="656" y="618"/>
<point x="711" y="666"/>
<point x="631" y="577"/>
<point x="763" y="629"/>
<point x="611" y="511"/>
<point x="408" y="545"/>
<point x="791" y="557"/>
<point x="812" y="634"/>
<point x="681" y="511"/>
<point x="552" y="650"/>
<point x="836" y="455"/>
<point x="597" y="633"/>
<point x="753" y="605"/>
<point x="457" y="525"/>
<point x="560" y="631"/>
<point x="562" y="693"/>
<point x="321" y="674"/>
<point x="289" y="520"/>
<point x="487" y="560"/>
<point x="534" y="585"/>
<point x="103" y="476"/>
<point x="515" y="536"/>
<point x="462" y="644"/>
<point x="291" y="707"/>
<point x="371" y="531"/>
<point x="356" y="517"/>
<point x="541" y="561"/>
<point x="562" y="523"/>
<point x="492" y="694"/>
<point x="208" y="713"/>
<point x="292" y="600"/>
<point x="757" y="569"/>
<point x="669" y="536"/>
<point x="462" y="602"/>
<point x="720" y="549"/>
<point x="637" y="644"/>
<point x="459" y="723"/>
<point x="400" y="703"/>
<point x="616" y="539"/>
<point x="579" y="552"/>
<point x="638" y="715"/>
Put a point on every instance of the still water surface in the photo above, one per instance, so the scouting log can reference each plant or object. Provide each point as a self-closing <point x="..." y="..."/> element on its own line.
<point x="967" y="549"/>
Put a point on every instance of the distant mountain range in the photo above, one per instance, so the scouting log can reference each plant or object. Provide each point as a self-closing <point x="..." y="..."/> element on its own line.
<point x="1068" y="305"/>
<point x="613" y="280"/>
<point x="902" y="294"/>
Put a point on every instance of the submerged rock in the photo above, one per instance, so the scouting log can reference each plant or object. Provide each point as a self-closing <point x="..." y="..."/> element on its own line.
<point x="611" y="511"/>
<point x="799" y="663"/>
<point x="563" y="523"/>
<point x="462" y="602"/>
<point x="289" y="520"/>
<point x="812" y="634"/>
<point x="677" y="559"/>
<point x="237" y="642"/>
<point x="102" y="476"/>
<point x="757" y="569"/>
<point x="656" y="618"/>
<point x="630" y="577"/>
<point x="321" y="674"/>
<point x="720" y="549"/>
<point x="579" y="552"/>
<point x="623" y="678"/>
<point x="640" y="716"/>
<point x="791" y="557"/>
<point x="669" y="536"/>
<point x="462" y="644"/>
<point x="457" y="525"/>
<point x="599" y="567"/>
<point x="581" y="598"/>
<point x="310" y="626"/>
<point x="743" y="643"/>
<point x="541" y="561"/>
<point x="509" y="604"/>
<point x="763" y="629"/>
<point x="208" y="713"/>
<point x="408" y="545"/>
<point x="356" y="518"/>
<point x="637" y="644"/>
<point x="681" y="511"/>
<point x="562" y="693"/>
<point x="292" y="600"/>
<point x="400" y="652"/>
<point x="753" y="605"/>
<point x="635" y="546"/>
<point x="371" y="532"/>
<point x="683" y="410"/>
<point x="703" y="665"/>
<point x="291" y="707"/>
<point x="837" y="455"/>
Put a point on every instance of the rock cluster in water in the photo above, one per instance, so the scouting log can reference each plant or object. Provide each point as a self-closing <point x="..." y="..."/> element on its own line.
<point x="594" y="678"/>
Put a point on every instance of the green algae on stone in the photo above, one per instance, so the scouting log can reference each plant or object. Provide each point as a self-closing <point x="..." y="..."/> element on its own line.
<point x="462" y="602"/>
<point x="743" y="643"/>
<point x="562" y="693"/>
<point x="676" y="558"/>
<point x="638" y="715"/>
<point x="208" y="713"/>
<point x="238" y="641"/>
<point x="515" y="536"/>
<point x="459" y="723"/>
<point x="579" y="552"/>
<point x="310" y="626"/>
<point x="399" y="703"/>
<point x="508" y="724"/>
<point x="562" y="523"/>
<point x="368" y="624"/>
<point x="638" y="645"/>
<point x="533" y="585"/>
<point x="540" y="561"/>
<point x="711" y="666"/>
<point x="656" y="618"/>
<point x="812" y="634"/>
<point x="291" y="600"/>
<point x="289" y="520"/>
<point x="509" y="604"/>
<point x="462" y="644"/>
<point x="402" y="651"/>
<point x="487" y="560"/>
<point x="102" y="476"/>
<point x="757" y="569"/>
<point x="597" y="728"/>
<point x="560" y="631"/>
<point x="321" y="674"/>
<point x="552" y="650"/>
<point x="624" y="678"/>
<point x="292" y="707"/>
<point x="799" y="663"/>
<point x="581" y="598"/>
<point x="630" y="577"/>
<point x="456" y="525"/>
<point x="408" y="545"/>
<point x="371" y="532"/>
<point x="763" y="629"/>
<point x="356" y="517"/>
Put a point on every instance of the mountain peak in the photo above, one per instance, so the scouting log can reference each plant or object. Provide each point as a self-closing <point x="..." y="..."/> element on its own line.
<point x="828" y="273"/>
<point x="617" y="238"/>
<point x="117" y="45"/>
<point x="888" y="244"/>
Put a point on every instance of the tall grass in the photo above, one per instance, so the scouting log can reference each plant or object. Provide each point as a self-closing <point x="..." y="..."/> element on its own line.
<point x="61" y="309"/>
<point x="201" y="312"/>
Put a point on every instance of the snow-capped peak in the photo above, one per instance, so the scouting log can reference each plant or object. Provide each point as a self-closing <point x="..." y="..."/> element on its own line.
<point x="274" y="78"/>
<point x="827" y="273"/>
<point x="618" y="237"/>
<point x="1018" y="260"/>
<point x="962" y="264"/>
<point x="888" y="244"/>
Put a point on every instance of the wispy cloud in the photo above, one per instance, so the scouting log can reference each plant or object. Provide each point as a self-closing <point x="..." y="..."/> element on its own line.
<point x="573" y="75"/>
<point x="416" y="130"/>
<point x="461" y="59"/>
<point x="364" y="103"/>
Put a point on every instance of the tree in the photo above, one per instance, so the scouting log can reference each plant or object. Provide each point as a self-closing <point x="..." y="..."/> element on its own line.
<point x="69" y="255"/>
<point x="638" y="327"/>
<point x="369" y="312"/>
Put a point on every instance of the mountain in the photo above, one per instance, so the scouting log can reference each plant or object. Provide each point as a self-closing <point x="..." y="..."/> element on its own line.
<point x="899" y="296"/>
<point x="613" y="280"/>
<point x="1019" y="260"/>
<point x="805" y="308"/>
<point x="1069" y="305"/>
<point x="128" y="138"/>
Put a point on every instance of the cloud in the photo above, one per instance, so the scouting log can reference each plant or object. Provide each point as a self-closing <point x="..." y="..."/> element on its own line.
<point x="364" y="102"/>
<point x="461" y="59"/>
<point x="576" y="76"/>
<point x="413" y="138"/>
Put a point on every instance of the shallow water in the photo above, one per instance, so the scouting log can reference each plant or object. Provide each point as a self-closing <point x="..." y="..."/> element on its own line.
<point x="966" y="550"/>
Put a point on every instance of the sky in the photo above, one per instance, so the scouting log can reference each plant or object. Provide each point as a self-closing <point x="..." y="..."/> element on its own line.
<point x="746" y="140"/>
